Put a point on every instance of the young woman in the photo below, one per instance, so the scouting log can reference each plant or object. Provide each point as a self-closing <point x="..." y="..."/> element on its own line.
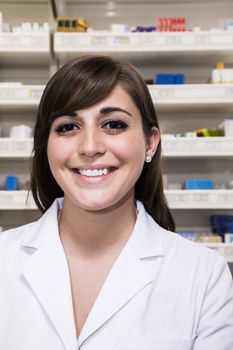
<point x="101" y="269"/>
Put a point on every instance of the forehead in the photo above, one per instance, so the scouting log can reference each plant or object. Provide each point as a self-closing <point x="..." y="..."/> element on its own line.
<point x="118" y="97"/>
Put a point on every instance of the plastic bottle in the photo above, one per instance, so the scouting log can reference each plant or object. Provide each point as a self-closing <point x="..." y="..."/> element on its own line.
<point x="216" y="76"/>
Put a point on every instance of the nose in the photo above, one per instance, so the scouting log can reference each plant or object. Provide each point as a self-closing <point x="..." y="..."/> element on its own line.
<point x="91" y="143"/>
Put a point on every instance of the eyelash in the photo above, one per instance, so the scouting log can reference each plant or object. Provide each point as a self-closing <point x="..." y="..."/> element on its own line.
<point x="113" y="126"/>
<point x="66" y="128"/>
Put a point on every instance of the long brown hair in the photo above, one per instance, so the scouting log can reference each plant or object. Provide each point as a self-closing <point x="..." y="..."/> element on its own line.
<point x="79" y="84"/>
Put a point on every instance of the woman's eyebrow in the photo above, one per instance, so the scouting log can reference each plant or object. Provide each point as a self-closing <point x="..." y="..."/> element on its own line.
<point x="108" y="110"/>
<point x="66" y="114"/>
<point x="104" y="111"/>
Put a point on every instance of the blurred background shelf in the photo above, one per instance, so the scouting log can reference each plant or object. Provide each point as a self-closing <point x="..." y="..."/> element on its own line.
<point x="191" y="95"/>
<point x="157" y="46"/>
<point x="16" y="200"/>
<point x="20" y="95"/>
<point x="200" y="199"/>
<point x="225" y="249"/>
<point x="15" y="148"/>
<point x="202" y="147"/>
<point x="25" y="48"/>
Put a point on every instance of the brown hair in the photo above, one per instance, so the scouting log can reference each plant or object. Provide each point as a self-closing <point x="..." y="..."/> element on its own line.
<point x="79" y="84"/>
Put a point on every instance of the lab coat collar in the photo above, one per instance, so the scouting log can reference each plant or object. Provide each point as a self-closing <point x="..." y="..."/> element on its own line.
<point x="47" y="273"/>
<point x="146" y="238"/>
<point x="45" y="229"/>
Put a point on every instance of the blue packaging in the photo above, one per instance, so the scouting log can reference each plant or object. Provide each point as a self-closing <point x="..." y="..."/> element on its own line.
<point x="191" y="184"/>
<point x="179" y="78"/>
<point x="11" y="183"/>
<point x="160" y="79"/>
<point x="221" y="224"/>
<point x="191" y="235"/>
<point x="165" y="79"/>
<point x="170" y="79"/>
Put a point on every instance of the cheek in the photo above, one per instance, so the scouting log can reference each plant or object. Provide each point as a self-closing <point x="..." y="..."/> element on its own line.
<point x="132" y="147"/>
<point x="57" y="151"/>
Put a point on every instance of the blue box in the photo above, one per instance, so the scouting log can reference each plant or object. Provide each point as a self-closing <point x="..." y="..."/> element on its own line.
<point x="179" y="78"/>
<point x="191" y="184"/>
<point x="221" y="224"/>
<point x="170" y="79"/>
<point x="11" y="183"/>
<point x="160" y="79"/>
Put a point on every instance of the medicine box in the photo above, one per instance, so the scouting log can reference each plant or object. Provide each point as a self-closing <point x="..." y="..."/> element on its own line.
<point x="191" y="184"/>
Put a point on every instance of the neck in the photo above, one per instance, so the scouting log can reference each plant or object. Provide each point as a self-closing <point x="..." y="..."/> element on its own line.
<point x="96" y="232"/>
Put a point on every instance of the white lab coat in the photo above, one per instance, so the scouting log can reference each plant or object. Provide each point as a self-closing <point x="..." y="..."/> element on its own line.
<point x="163" y="293"/>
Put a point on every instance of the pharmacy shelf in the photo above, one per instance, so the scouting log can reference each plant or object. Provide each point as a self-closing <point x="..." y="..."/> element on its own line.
<point x="16" y="200"/>
<point x="225" y="249"/>
<point x="21" y="48"/>
<point x="177" y="199"/>
<point x="192" y="95"/>
<point x="15" y="95"/>
<point x="164" y="96"/>
<point x="209" y="147"/>
<point x="197" y="147"/>
<point x="15" y="148"/>
<point x="200" y="199"/>
<point x="145" y="46"/>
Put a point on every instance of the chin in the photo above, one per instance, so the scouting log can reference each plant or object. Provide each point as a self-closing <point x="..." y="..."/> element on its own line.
<point x="99" y="203"/>
<point x="93" y="205"/>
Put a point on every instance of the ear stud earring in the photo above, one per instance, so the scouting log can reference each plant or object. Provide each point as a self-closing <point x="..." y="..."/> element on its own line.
<point x="148" y="159"/>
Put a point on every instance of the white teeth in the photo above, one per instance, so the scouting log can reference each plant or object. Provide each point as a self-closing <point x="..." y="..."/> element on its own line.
<point x="94" y="172"/>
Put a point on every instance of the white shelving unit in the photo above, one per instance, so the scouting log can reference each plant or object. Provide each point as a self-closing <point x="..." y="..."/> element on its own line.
<point x="16" y="200"/>
<point x="201" y="147"/>
<point x="26" y="61"/>
<point x="145" y="45"/>
<point x="15" y="148"/>
<point x="200" y="199"/>
<point x="188" y="95"/>
<point x="191" y="95"/>
<point x="25" y="47"/>
<point x="16" y="95"/>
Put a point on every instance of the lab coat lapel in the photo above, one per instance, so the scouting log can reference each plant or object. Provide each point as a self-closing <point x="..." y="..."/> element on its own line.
<point x="128" y="277"/>
<point x="46" y="272"/>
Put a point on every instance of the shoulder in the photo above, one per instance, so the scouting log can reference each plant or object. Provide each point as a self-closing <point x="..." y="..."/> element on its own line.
<point x="183" y="253"/>
<point x="192" y="267"/>
<point x="31" y="232"/>
<point x="14" y="237"/>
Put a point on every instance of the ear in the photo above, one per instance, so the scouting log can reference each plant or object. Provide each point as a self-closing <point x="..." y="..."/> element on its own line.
<point x="152" y="141"/>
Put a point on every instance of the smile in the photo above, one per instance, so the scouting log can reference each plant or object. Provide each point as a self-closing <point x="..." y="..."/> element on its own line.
<point x="94" y="172"/>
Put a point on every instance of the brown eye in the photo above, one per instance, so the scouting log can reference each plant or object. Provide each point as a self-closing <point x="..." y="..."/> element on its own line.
<point x="115" y="125"/>
<point x="66" y="128"/>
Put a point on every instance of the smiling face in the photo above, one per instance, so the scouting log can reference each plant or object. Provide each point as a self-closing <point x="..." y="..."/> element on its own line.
<point x="97" y="154"/>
